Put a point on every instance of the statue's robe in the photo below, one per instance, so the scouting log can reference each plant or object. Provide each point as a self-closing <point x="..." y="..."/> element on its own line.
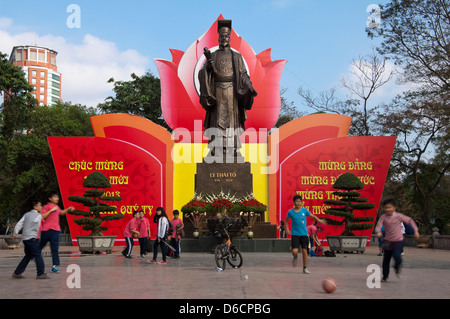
<point x="226" y="93"/>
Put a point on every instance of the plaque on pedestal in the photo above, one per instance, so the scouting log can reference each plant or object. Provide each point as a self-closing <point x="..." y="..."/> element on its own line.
<point x="233" y="178"/>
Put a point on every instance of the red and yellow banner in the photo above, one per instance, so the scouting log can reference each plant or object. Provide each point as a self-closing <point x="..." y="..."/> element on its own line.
<point x="132" y="152"/>
<point x="312" y="152"/>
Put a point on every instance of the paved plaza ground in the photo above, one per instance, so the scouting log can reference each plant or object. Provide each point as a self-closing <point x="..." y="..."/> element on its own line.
<point x="426" y="275"/>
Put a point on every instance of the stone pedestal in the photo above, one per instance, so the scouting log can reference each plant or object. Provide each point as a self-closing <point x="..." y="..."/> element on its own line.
<point x="233" y="178"/>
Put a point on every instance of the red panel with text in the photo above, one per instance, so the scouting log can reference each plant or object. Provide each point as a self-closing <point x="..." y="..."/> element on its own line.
<point x="135" y="175"/>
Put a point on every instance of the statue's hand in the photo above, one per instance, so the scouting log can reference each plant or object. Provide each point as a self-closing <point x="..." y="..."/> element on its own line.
<point x="210" y="65"/>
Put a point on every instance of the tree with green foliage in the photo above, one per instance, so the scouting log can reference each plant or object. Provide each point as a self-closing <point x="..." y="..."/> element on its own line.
<point x="17" y="100"/>
<point x="415" y="34"/>
<point x="98" y="212"/>
<point x="27" y="170"/>
<point x="349" y="201"/>
<point x="140" y="96"/>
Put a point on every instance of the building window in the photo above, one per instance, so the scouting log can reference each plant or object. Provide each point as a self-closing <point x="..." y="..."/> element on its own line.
<point x="55" y="77"/>
<point x="42" y="81"/>
<point x="33" y="73"/>
<point x="42" y="56"/>
<point x="33" y="81"/>
<point x="55" y="84"/>
<point x="42" y="97"/>
<point x="42" y="74"/>
<point x="33" y="55"/>
<point x="52" y="59"/>
<point x="42" y="89"/>
<point x="19" y="56"/>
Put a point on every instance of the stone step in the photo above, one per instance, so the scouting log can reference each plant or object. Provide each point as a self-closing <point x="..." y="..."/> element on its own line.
<point x="207" y="244"/>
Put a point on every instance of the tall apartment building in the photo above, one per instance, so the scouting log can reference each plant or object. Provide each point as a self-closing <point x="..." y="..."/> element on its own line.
<point x="39" y="66"/>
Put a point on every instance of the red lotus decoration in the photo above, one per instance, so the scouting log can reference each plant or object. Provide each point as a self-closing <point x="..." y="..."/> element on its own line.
<point x="180" y="100"/>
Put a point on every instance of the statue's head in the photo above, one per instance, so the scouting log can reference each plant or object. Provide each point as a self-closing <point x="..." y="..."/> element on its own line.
<point x="224" y="30"/>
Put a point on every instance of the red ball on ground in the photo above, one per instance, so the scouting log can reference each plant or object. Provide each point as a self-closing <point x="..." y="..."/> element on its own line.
<point x="329" y="285"/>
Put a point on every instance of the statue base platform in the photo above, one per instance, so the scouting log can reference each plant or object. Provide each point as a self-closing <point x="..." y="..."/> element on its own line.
<point x="207" y="244"/>
<point x="227" y="176"/>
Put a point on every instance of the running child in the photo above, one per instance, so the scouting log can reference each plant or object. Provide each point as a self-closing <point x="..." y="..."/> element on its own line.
<point x="393" y="236"/>
<point x="299" y="234"/>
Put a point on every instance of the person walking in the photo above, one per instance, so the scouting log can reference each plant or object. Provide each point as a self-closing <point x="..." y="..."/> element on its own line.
<point x="161" y="234"/>
<point x="30" y="224"/>
<point x="50" y="228"/>
<point x="144" y="233"/>
<point x="130" y="232"/>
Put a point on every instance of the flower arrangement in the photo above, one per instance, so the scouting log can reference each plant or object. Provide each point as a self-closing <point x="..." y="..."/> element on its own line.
<point x="251" y="204"/>
<point x="195" y="217"/>
<point x="250" y="218"/>
<point x="246" y="209"/>
<point x="195" y="211"/>
<point x="250" y="210"/>
<point x="196" y="204"/>
<point x="221" y="203"/>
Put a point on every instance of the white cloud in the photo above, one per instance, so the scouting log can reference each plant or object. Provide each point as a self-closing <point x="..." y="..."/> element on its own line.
<point x="85" y="67"/>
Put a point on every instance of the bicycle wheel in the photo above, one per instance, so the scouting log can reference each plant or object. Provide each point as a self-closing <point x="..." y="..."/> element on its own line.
<point x="218" y="253"/>
<point x="235" y="258"/>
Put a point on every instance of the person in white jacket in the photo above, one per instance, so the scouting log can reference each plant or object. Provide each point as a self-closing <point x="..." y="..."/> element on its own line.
<point x="163" y="227"/>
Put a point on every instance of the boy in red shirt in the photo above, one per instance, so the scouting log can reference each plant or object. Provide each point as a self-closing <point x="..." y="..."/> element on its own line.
<point x="129" y="232"/>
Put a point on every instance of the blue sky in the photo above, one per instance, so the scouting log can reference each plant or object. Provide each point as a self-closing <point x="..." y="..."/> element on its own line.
<point x="319" y="39"/>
